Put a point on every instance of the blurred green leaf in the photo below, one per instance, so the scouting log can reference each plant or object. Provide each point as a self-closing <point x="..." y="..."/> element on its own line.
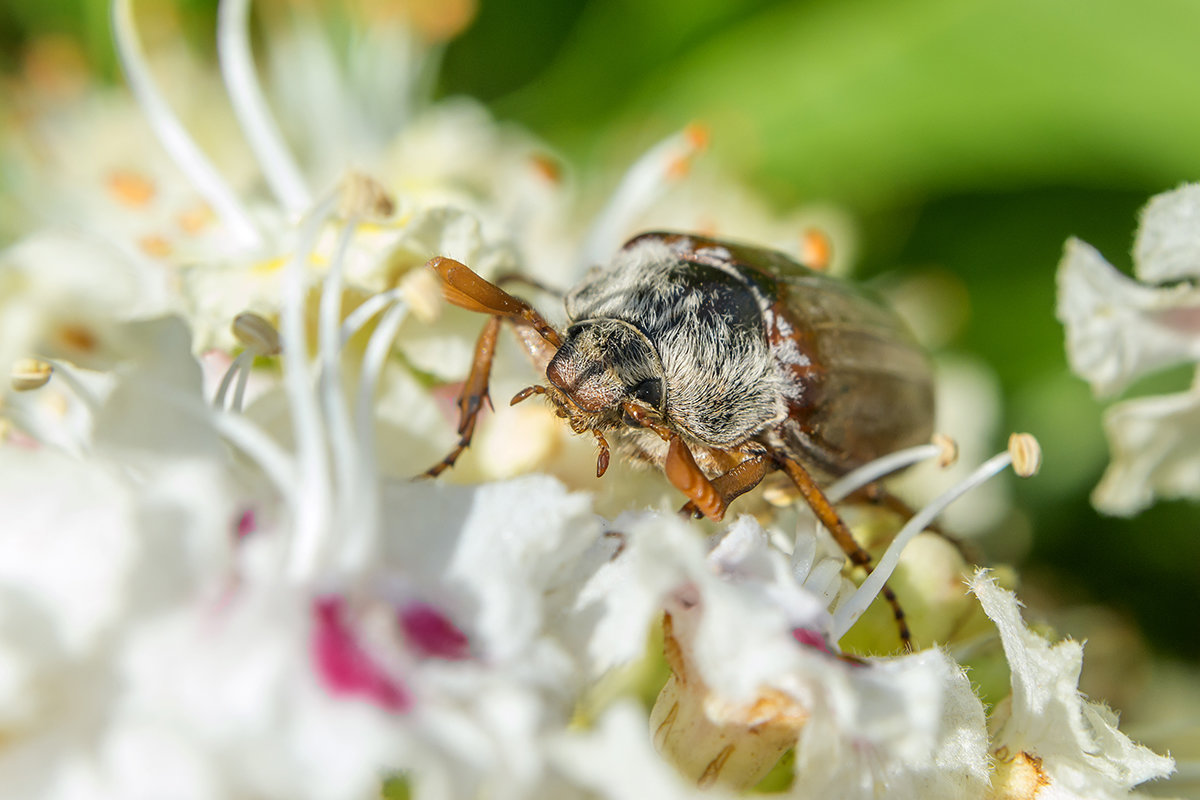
<point x="869" y="102"/>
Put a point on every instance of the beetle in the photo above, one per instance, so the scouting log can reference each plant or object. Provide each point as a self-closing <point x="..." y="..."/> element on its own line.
<point x="719" y="362"/>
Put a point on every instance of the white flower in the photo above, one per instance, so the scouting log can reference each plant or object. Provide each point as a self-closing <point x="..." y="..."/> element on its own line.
<point x="1049" y="740"/>
<point x="1119" y="330"/>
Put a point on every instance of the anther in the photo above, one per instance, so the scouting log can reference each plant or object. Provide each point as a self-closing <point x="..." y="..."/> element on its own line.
<point x="1026" y="454"/>
<point x="363" y="196"/>
<point x="948" y="447"/>
<point x="30" y="373"/>
<point x="256" y="333"/>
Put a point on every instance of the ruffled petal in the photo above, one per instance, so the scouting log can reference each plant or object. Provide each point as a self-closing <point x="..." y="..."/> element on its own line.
<point x="1167" y="247"/>
<point x="1117" y="329"/>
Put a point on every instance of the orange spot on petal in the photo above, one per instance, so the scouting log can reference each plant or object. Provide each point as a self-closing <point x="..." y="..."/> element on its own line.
<point x="697" y="135"/>
<point x="816" y="250"/>
<point x="130" y="188"/>
<point x="77" y="338"/>
<point x="546" y="168"/>
<point x="155" y="246"/>
<point x="195" y="219"/>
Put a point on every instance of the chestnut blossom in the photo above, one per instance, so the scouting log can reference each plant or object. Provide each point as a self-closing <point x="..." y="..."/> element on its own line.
<point x="227" y="584"/>
<point x="1120" y="329"/>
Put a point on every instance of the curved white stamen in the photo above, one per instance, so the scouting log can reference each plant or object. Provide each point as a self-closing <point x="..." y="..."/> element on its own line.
<point x="171" y="133"/>
<point x="36" y="423"/>
<point x="359" y="548"/>
<point x="313" y="496"/>
<point x="869" y="473"/>
<point x="849" y="612"/>
<point x="239" y="365"/>
<point x="642" y="184"/>
<point x="239" y="394"/>
<point x="251" y="109"/>
<point x="361" y="315"/>
<point x="337" y="413"/>
<point x="274" y="461"/>
<point x="67" y="374"/>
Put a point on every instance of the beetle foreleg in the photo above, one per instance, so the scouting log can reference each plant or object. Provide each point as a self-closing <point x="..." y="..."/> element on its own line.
<point x="462" y="287"/>
<point x="734" y="483"/>
<point x="474" y="394"/>
<point x="828" y="516"/>
<point x="687" y="477"/>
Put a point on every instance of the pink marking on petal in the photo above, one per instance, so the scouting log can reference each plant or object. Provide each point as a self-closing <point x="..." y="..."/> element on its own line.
<point x="811" y="639"/>
<point x="246" y="524"/>
<point x="433" y="634"/>
<point x="345" y="668"/>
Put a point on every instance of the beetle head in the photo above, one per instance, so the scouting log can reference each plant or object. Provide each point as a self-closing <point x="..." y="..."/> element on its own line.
<point x="603" y="363"/>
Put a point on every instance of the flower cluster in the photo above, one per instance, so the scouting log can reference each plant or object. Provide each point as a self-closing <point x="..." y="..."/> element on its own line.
<point x="219" y="580"/>
<point x="1120" y="329"/>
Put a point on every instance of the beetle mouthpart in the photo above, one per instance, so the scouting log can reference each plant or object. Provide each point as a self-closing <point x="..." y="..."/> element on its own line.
<point x="602" y="457"/>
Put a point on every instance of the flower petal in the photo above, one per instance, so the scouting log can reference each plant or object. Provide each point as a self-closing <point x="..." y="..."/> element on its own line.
<point x="1155" y="446"/>
<point x="1117" y="329"/>
<point x="1071" y="742"/>
<point x="1168" y="241"/>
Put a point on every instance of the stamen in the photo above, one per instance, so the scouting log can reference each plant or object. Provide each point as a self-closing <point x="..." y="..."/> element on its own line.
<point x="68" y="375"/>
<point x="261" y="339"/>
<point x="313" y="505"/>
<point x="854" y="480"/>
<point x="361" y="540"/>
<point x="170" y="131"/>
<point x="337" y="414"/>
<point x="259" y="335"/>
<point x="360" y="316"/>
<point x="1022" y="446"/>
<point x="239" y="366"/>
<point x="29" y="374"/>
<point x="251" y="109"/>
<point x="643" y="183"/>
<point x="363" y="196"/>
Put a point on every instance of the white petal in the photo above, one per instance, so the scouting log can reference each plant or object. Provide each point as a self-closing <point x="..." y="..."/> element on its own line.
<point x="908" y="726"/>
<point x="68" y="543"/>
<point x="1081" y="751"/>
<point x="616" y="761"/>
<point x="1117" y="329"/>
<point x="1155" y="446"/>
<point x="1168" y="241"/>
<point x="498" y="547"/>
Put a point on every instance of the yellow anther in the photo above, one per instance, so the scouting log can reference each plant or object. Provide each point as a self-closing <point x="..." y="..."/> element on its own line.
<point x="1026" y="454"/>
<point x="30" y="373"/>
<point x="949" y="449"/>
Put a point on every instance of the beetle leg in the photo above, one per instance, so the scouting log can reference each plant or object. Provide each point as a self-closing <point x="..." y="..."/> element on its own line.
<point x="687" y="477"/>
<point x="474" y="393"/>
<point x="462" y="287"/>
<point x="734" y="483"/>
<point x="828" y="516"/>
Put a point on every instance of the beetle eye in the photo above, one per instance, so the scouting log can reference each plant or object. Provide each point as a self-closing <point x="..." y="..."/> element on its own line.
<point x="649" y="391"/>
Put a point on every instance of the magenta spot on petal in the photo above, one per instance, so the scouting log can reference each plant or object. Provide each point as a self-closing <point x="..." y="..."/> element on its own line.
<point x="433" y="634"/>
<point x="345" y="668"/>
<point x="246" y="524"/>
<point x="810" y="639"/>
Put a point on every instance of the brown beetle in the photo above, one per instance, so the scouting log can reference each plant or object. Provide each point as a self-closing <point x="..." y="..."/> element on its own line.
<point x="719" y="362"/>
